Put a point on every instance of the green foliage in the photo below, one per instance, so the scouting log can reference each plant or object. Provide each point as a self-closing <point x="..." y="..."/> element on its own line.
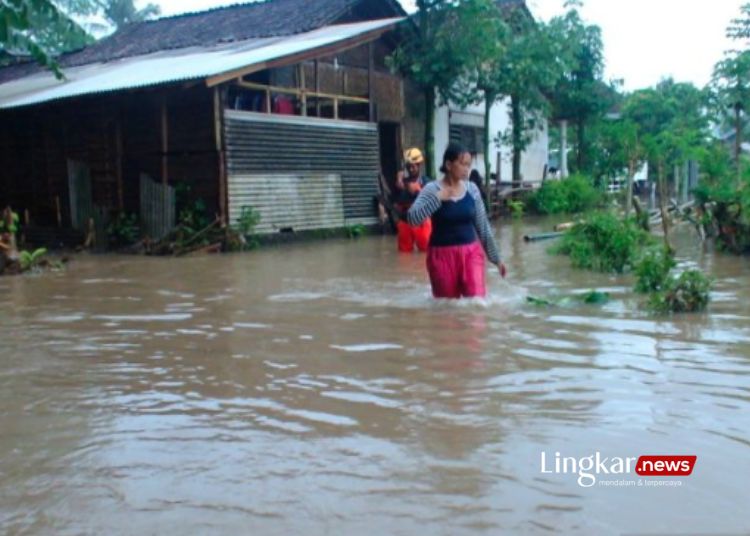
<point x="595" y="297"/>
<point x="28" y="260"/>
<point x="725" y="200"/>
<point x="39" y="29"/>
<point x="567" y="196"/>
<point x="592" y="297"/>
<point x="12" y="226"/>
<point x="446" y="39"/>
<point x="687" y="293"/>
<point x="652" y="270"/>
<point x="603" y="243"/>
<point x="192" y="213"/>
<point x="355" y="231"/>
<point x="516" y="208"/>
<point x="248" y="220"/>
<point x="579" y="95"/>
<point x="124" y="230"/>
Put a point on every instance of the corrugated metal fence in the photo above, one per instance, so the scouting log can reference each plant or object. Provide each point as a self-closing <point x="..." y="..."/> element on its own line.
<point x="304" y="173"/>
<point x="79" y="189"/>
<point x="157" y="208"/>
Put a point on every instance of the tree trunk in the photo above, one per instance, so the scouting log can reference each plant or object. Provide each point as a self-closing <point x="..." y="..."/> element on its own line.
<point x="489" y="99"/>
<point x="631" y="174"/>
<point x="737" y="141"/>
<point x="663" y="203"/>
<point x="429" y="131"/>
<point x="516" y="118"/>
<point x="676" y="180"/>
<point x="563" y="148"/>
<point x="686" y="183"/>
<point x="580" y="150"/>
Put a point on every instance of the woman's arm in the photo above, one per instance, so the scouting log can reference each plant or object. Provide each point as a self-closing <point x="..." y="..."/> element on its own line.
<point x="425" y="205"/>
<point x="482" y="225"/>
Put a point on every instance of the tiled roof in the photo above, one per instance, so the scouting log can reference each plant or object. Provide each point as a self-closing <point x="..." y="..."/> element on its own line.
<point x="237" y="22"/>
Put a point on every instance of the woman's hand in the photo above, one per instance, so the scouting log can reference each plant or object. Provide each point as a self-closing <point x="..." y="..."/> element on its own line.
<point x="501" y="268"/>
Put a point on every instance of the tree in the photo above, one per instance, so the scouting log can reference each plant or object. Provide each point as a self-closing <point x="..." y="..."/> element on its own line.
<point x="622" y="147"/>
<point x="481" y="82"/>
<point x="122" y="12"/>
<point x="671" y="123"/>
<point x="528" y="73"/>
<point x="740" y="28"/>
<point x="580" y="94"/>
<point x="730" y="91"/>
<point x="436" y="51"/>
<point x="40" y="29"/>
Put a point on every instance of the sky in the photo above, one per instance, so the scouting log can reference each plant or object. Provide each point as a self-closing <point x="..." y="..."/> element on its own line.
<point x="644" y="40"/>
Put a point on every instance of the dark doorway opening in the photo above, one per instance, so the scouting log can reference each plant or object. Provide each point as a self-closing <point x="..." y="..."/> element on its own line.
<point x="390" y="151"/>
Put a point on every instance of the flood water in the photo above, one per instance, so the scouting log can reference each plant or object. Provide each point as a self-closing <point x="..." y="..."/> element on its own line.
<point x="317" y="389"/>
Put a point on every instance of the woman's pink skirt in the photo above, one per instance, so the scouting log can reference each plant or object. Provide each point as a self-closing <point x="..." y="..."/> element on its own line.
<point x="456" y="271"/>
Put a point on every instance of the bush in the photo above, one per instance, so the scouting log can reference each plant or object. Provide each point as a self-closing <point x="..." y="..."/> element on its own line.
<point x="603" y="243"/>
<point x="652" y="270"/>
<point x="124" y="230"/>
<point x="571" y="195"/>
<point x="29" y="259"/>
<point x="516" y="208"/>
<point x="355" y="231"/>
<point x="725" y="201"/>
<point x="687" y="293"/>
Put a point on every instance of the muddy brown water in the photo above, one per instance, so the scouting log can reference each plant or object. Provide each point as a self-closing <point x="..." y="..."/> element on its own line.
<point x="316" y="388"/>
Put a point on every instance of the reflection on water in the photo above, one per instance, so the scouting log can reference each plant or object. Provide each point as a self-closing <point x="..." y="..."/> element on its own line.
<point x="317" y="388"/>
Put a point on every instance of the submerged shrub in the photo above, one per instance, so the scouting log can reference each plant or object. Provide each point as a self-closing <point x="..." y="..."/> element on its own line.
<point x="573" y="194"/>
<point x="687" y="293"/>
<point x="516" y="208"/>
<point x="603" y="243"/>
<point x="652" y="270"/>
<point x="124" y="230"/>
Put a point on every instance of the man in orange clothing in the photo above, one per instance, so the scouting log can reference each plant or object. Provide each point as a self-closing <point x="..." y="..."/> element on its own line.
<point x="408" y="186"/>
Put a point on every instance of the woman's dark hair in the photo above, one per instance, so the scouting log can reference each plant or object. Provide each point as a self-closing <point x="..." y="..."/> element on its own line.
<point x="452" y="153"/>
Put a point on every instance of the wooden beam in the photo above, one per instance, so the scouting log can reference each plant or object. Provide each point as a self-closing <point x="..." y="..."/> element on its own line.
<point x="298" y="93"/>
<point x="305" y="55"/>
<point x="303" y="88"/>
<point x="118" y="163"/>
<point x="370" y="80"/>
<point x="220" y="152"/>
<point x="317" y="86"/>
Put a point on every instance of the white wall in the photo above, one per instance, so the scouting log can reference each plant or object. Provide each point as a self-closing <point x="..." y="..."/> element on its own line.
<point x="532" y="160"/>
<point x="441" y="139"/>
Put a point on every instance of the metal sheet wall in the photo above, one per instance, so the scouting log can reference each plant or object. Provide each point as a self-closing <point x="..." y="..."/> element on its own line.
<point x="308" y="148"/>
<point x="288" y="201"/>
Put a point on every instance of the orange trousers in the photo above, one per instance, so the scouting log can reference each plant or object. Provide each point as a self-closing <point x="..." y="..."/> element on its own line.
<point x="408" y="235"/>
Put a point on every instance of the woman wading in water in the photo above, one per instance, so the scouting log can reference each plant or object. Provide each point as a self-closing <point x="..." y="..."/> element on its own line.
<point x="461" y="233"/>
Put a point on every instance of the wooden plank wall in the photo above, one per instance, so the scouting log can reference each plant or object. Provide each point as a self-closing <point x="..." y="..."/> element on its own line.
<point x="36" y="143"/>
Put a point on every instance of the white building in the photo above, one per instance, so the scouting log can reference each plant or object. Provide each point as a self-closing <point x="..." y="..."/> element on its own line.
<point x="467" y="126"/>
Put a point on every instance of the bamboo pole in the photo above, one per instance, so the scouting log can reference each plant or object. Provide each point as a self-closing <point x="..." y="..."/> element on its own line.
<point x="118" y="165"/>
<point x="317" y="87"/>
<point x="221" y="154"/>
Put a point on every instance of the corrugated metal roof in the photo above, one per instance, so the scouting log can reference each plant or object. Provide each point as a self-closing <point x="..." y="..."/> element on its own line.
<point x="177" y="65"/>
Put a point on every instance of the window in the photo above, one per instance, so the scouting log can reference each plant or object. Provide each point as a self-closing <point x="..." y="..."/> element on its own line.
<point x="471" y="137"/>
